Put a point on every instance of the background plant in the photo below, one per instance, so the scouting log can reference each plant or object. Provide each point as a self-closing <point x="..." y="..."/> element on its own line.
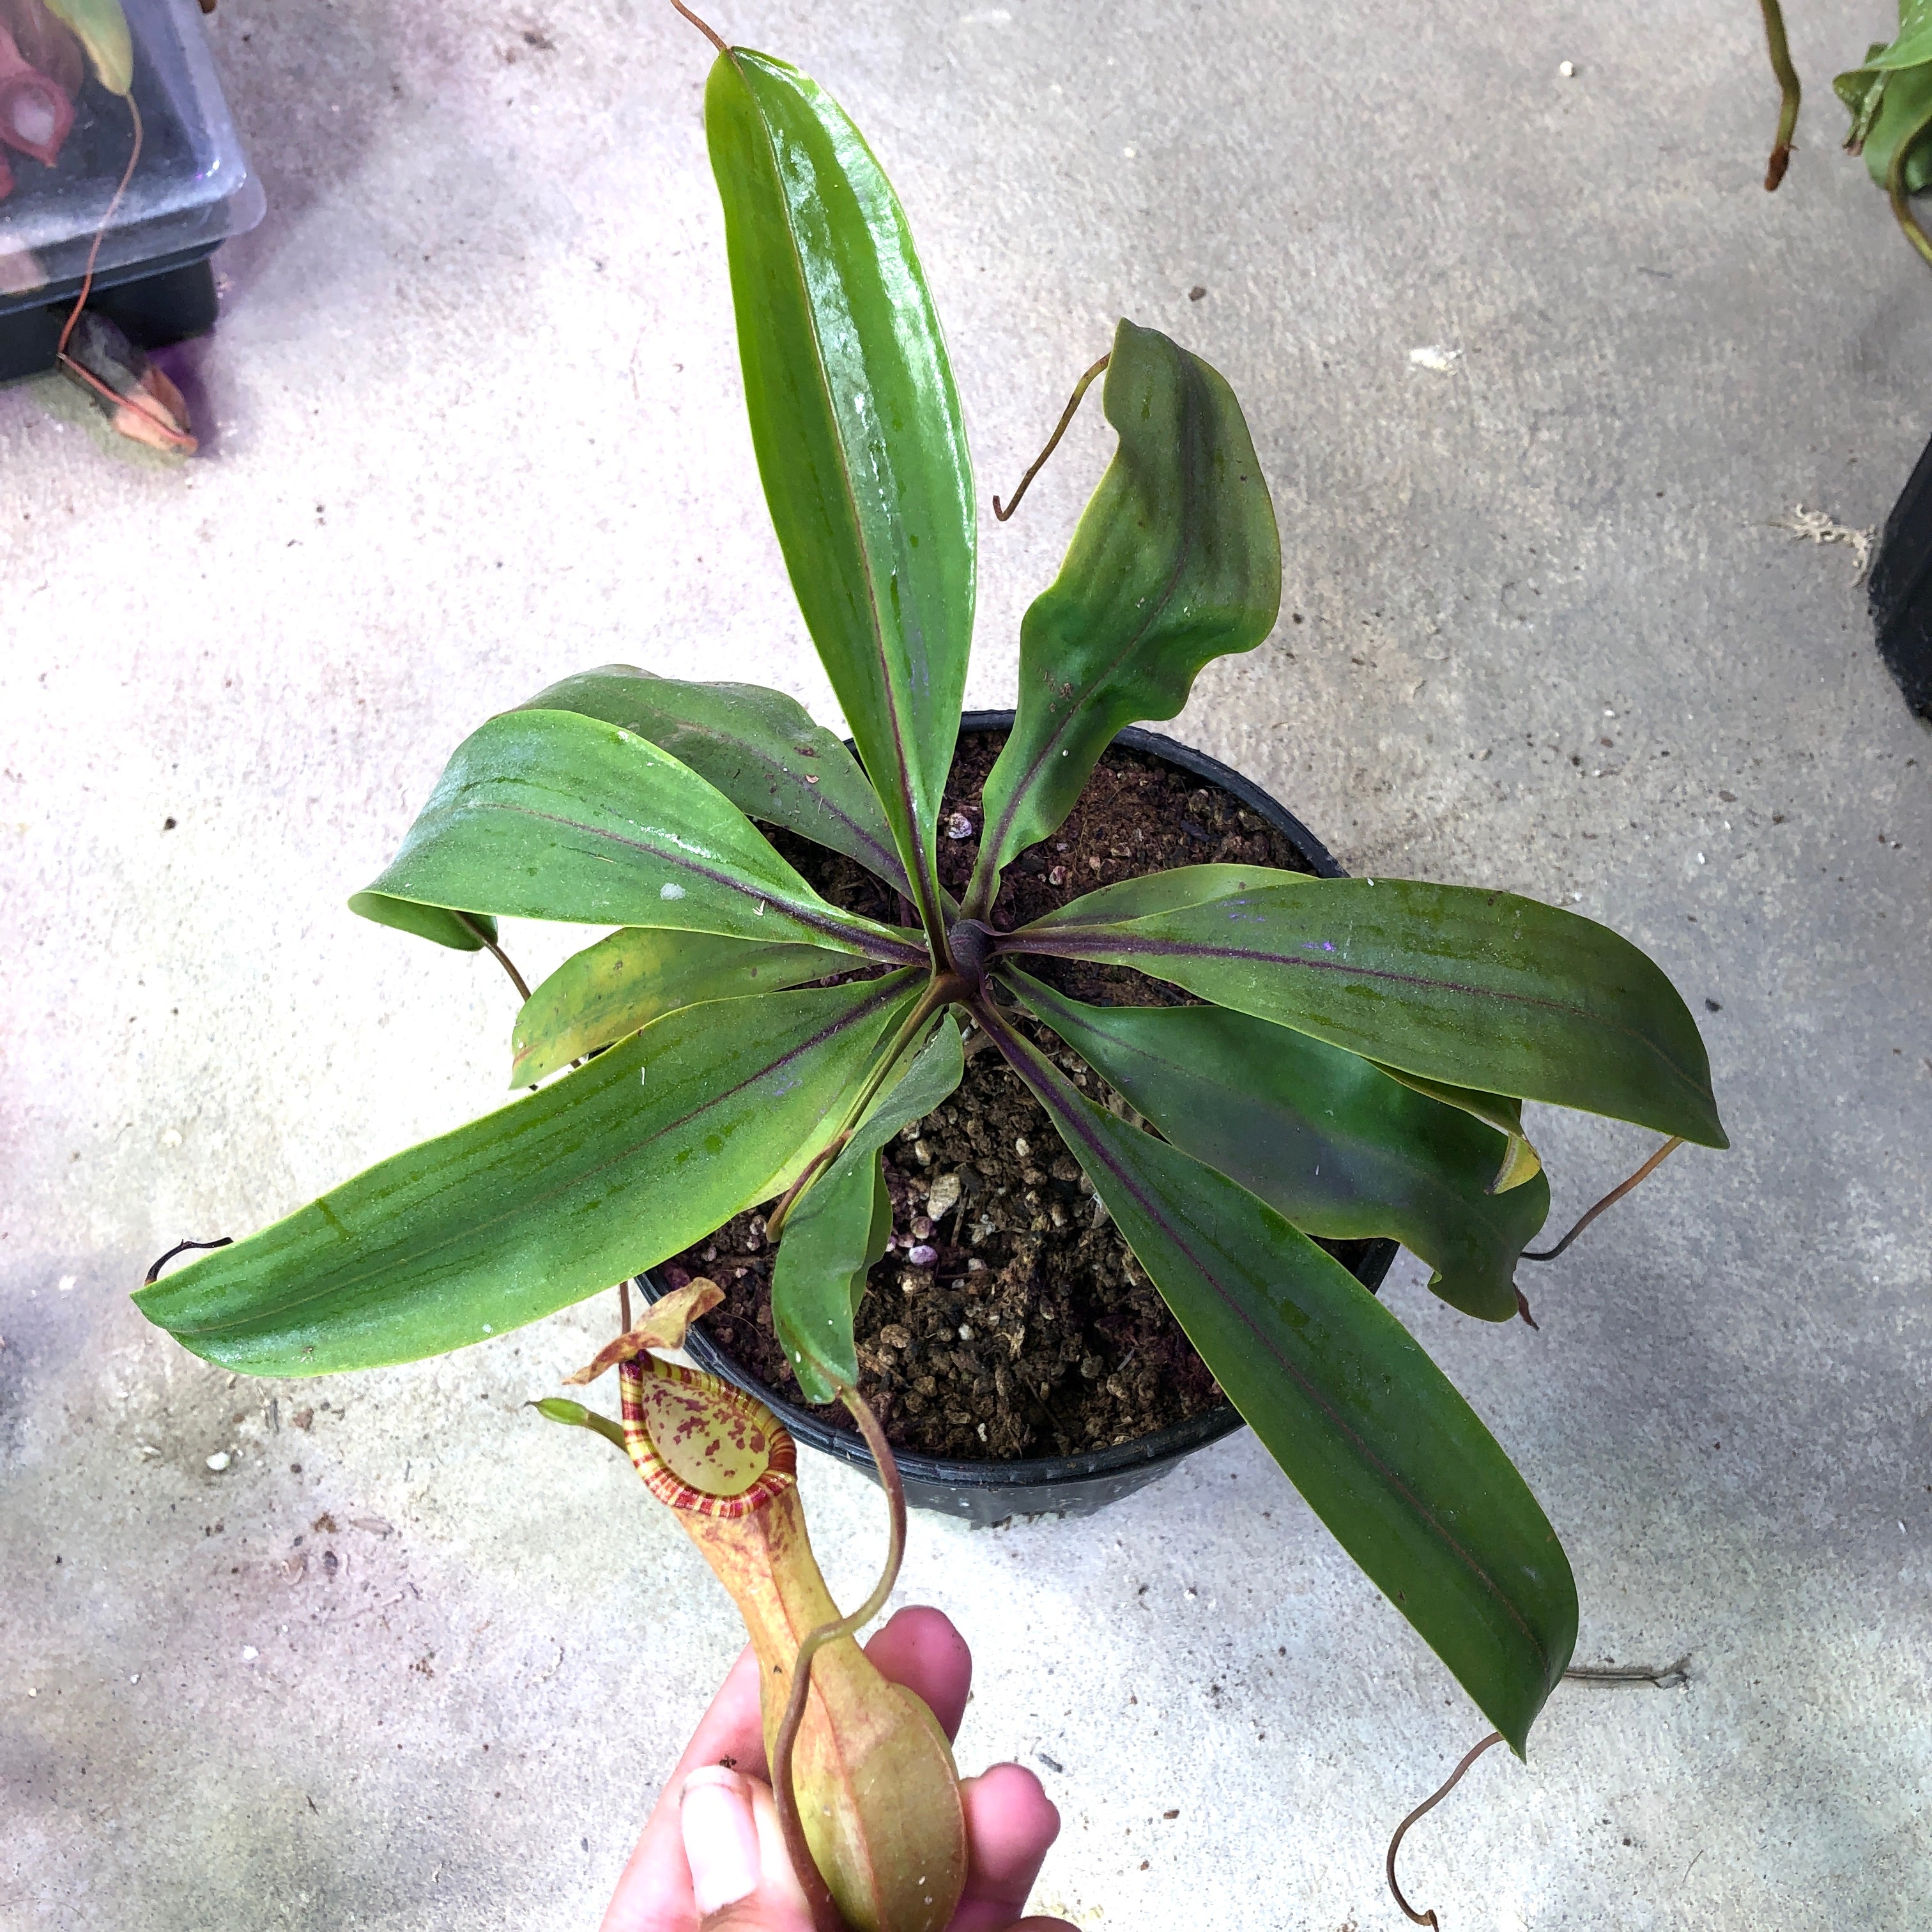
<point x="1888" y="95"/>
<point x="1358" y="1064"/>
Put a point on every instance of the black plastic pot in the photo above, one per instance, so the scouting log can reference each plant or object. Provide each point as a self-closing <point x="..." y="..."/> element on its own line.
<point x="986" y="1493"/>
<point x="1901" y="590"/>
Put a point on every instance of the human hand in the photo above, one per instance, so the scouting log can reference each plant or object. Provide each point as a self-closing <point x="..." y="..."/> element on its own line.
<point x="712" y="1858"/>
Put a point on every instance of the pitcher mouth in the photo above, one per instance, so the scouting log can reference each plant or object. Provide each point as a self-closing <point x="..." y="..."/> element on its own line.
<point x="701" y="1445"/>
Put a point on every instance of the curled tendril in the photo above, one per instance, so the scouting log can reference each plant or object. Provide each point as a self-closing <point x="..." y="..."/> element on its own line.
<point x="1080" y="389"/>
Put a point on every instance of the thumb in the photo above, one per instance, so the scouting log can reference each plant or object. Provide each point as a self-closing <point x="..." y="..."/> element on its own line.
<point x="741" y="1879"/>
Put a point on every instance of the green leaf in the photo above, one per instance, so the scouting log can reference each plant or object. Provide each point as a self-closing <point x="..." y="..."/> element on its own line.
<point x="1174" y="890"/>
<point x="1476" y="988"/>
<point x="838" y="1226"/>
<point x="1520" y="1160"/>
<point x="1176" y="561"/>
<point x="760" y="747"/>
<point x="593" y="1178"/>
<point x="101" y="28"/>
<point x="636" y="976"/>
<point x="1888" y="108"/>
<point x="1913" y="46"/>
<point x="1889" y="96"/>
<point x="1328" y="1140"/>
<point x="550" y="815"/>
<point x="463" y="932"/>
<point x="819" y="1277"/>
<point x="856" y="425"/>
<point x="1363" y="1422"/>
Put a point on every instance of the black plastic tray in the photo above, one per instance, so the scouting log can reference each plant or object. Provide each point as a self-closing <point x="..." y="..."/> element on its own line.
<point x="153" y="311"/>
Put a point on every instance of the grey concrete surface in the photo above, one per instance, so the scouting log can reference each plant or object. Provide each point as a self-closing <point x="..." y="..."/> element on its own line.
<point x="473" y="421"/>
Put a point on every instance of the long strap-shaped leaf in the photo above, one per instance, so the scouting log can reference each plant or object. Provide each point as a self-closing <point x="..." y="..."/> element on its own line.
<point x="1474" y="988"/>
<point x="1363" y="1423"/>
<point x="1176" y="561"/>
<point x="636" y="976"/>
<point x="1328" y="1140"/>
<point x="550" y="815"/>
<point x="545" y="1201"/>
<point x="856" y="425"/>
<point x="760" y="747"/>
<point x="836" y="1232"/>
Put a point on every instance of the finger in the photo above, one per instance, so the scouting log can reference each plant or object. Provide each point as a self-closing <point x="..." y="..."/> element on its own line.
<point x="1010" y="1822"/>
<point x="741" y="1880"/>
<point x="920" y="1648"/>
<point x="654" y="1893"/>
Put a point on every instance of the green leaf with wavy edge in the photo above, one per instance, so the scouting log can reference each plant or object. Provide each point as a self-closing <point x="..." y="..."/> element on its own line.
<point x="1479" y="989"/>
<point x="1385" y="1451"/>
<point x="856" y="425"/>
<point x="1176" y="561"/>
<point x="760" y="747"/>
<point x="1889" y="105"/>
<point x="552" y="815"/>
<point x="587" y="1182"/>
<point x="1520" y="1161"/>
<point x="1326" y="1139"/>
<point x="636" y="976"/>
<point x="101" y="28"/>
<point x="835" y="1233"/>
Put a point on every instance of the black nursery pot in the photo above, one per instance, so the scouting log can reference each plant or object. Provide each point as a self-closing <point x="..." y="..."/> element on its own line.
<point x="986" y="1493"/>
<point x="1901" y="590"/>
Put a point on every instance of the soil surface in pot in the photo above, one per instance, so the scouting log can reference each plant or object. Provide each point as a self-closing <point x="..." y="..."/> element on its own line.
<point x="1008" y="1320"/>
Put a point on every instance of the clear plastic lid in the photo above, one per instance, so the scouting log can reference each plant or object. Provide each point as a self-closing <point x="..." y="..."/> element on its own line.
<point x="65" y="141"/>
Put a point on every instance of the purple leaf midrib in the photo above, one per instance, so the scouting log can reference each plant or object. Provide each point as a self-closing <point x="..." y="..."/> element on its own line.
<point x="857" y="1014"/>
<point x="887" y="950"/>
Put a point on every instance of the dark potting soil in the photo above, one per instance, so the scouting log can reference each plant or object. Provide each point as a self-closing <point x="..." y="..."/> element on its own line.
<point x="1008" y="1320"/>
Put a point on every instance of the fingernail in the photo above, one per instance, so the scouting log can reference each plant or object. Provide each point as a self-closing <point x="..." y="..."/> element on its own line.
<point x="720" y="1837"/>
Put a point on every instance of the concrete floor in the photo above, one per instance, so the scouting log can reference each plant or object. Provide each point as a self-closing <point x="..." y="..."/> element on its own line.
<point x="473" y="421"/>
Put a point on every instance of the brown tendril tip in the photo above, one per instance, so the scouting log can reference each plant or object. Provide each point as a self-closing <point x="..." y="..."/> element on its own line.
<point x="702" y="28"/>
<point x="785" y="1799"/>
<point x="153" y="1274"/>
<point x="1080" y="389"/>
<point x="1609" y="1200"/>
<point x="1428" y="1805"/>
<point x="1791" y="93"/>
